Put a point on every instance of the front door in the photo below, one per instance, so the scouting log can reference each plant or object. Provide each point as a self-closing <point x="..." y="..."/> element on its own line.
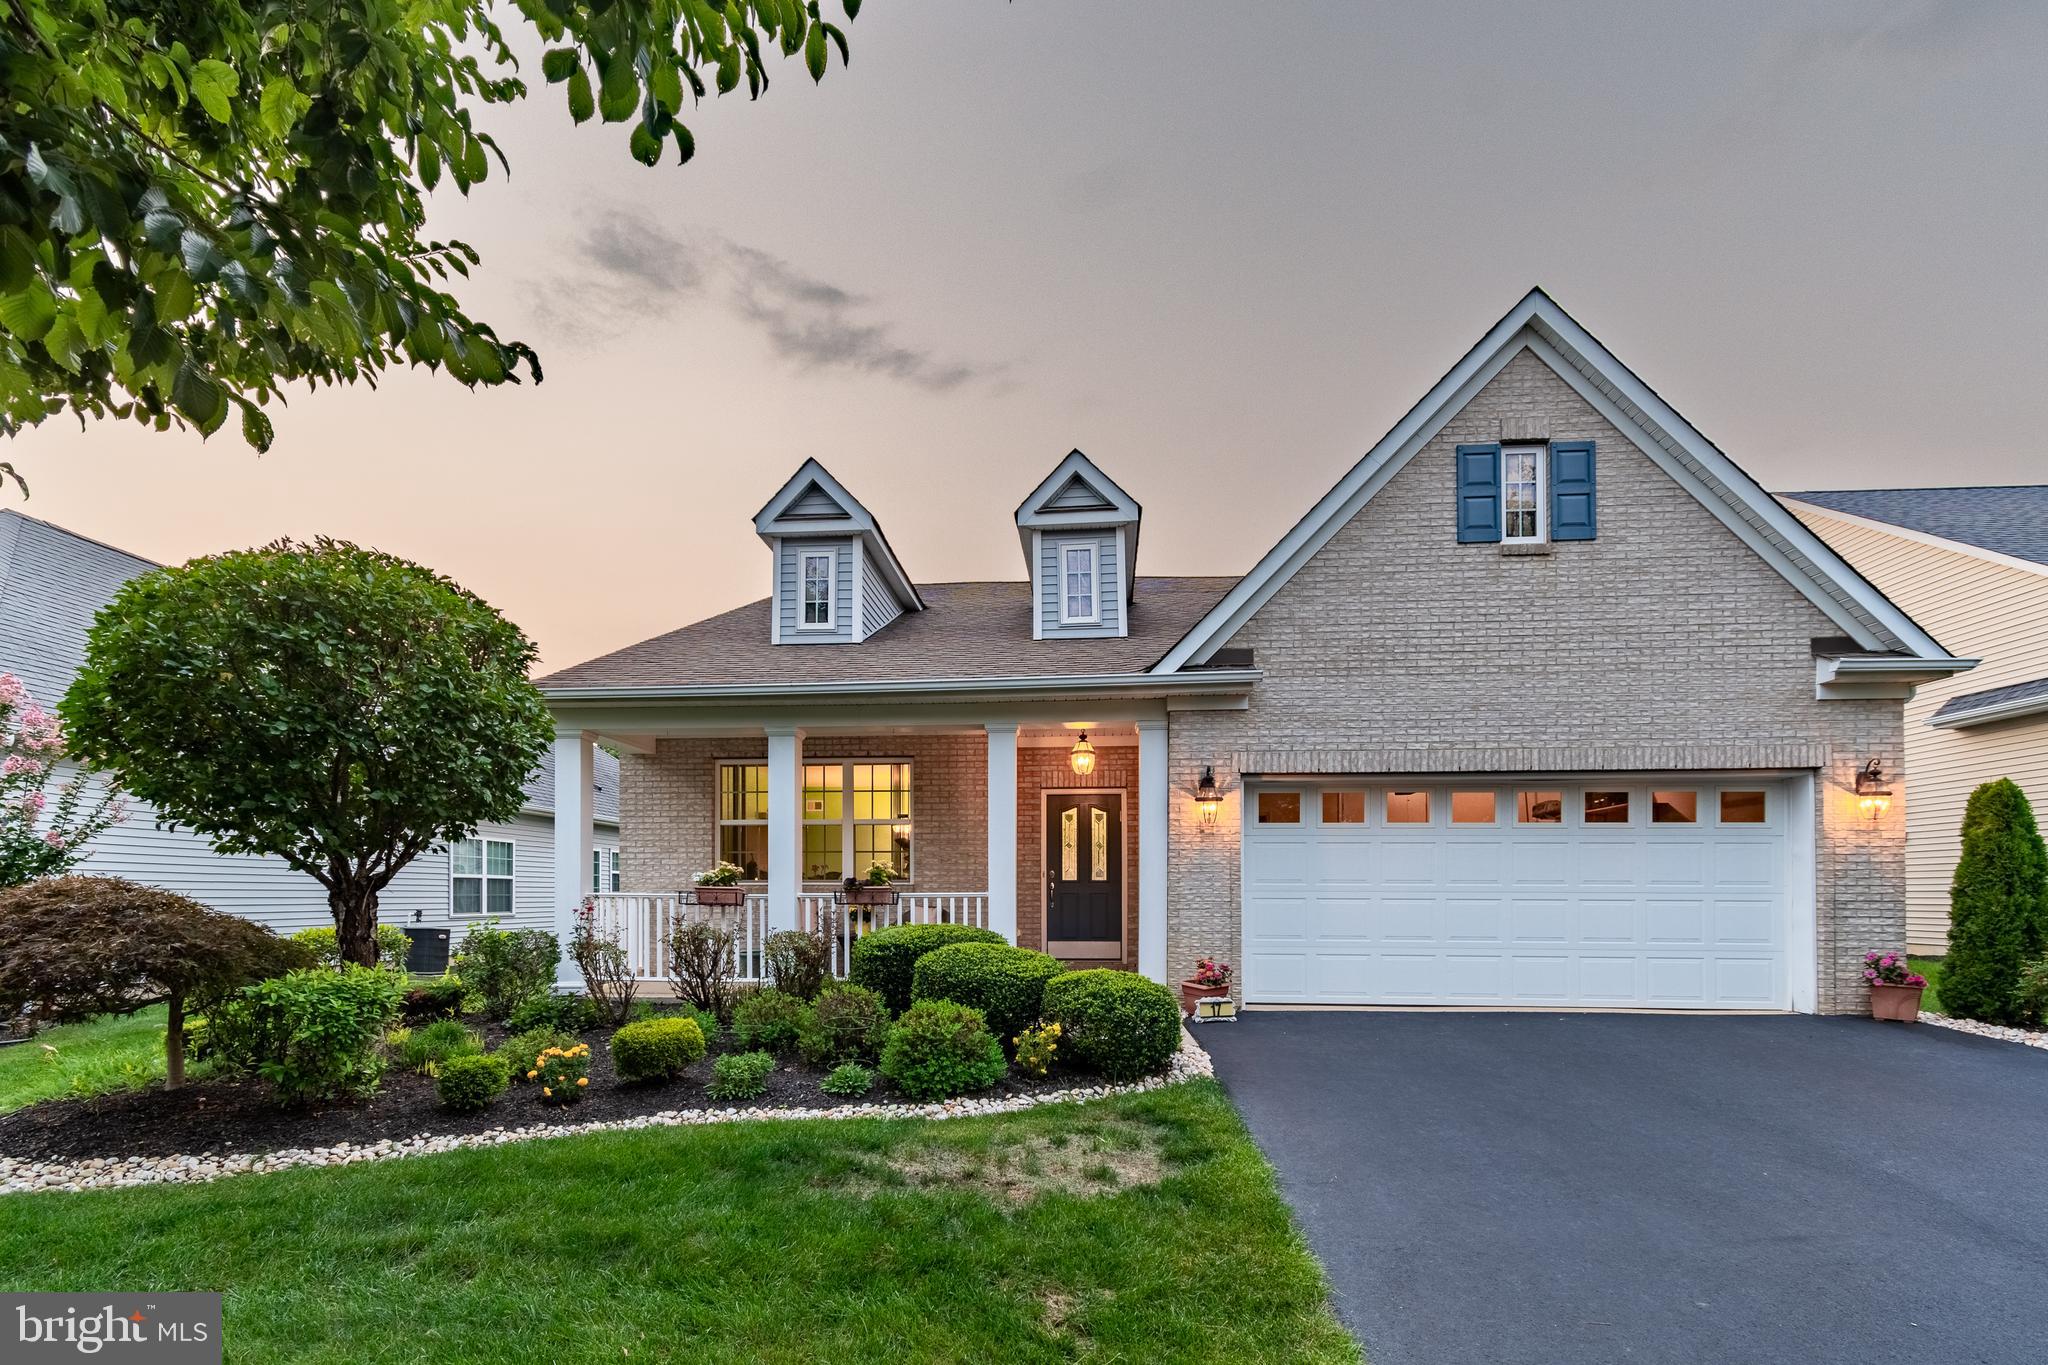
<point x="1084" y="874"/>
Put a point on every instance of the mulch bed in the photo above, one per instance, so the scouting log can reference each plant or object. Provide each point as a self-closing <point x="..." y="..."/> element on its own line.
<point x="239" y="1116"/>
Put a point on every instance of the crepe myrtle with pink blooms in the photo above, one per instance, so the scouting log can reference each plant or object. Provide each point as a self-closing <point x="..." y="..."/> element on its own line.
<point x="45" y="820"/>
<point x="1889" y="969"/>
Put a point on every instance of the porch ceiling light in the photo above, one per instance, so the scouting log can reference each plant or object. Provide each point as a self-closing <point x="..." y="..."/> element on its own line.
<point x="1871" y="793"/>
<point x="1208" y="796"/>
<point x="1081" y="758"/>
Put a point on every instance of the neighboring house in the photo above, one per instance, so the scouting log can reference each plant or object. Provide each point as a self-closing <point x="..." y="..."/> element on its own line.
<point x="53" y="581"/>
<point x="1970" y="564"/>
<point x="1546" y="703"/>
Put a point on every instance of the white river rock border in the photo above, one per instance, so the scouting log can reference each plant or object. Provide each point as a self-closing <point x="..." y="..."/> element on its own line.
<point x="2028" y="1037"/>
<point x="20" y="1175"/>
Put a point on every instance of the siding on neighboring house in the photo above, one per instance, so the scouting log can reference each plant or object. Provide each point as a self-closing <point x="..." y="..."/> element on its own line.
<point x="1108" y="584"/>
<point x="878" y="605"/>
<point x="790" y="591"/>
<point x="1980" y="610"/>
<point x="1665" y="644"/>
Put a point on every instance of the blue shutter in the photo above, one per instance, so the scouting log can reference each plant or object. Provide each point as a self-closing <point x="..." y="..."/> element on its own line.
<point x="1478" y="493"/>
<point x="1572" y="513"/>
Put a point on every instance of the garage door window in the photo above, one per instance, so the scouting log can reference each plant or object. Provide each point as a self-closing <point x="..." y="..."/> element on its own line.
<point x="1279" y="808"/>
<point x="1471" y="808"/>
<point x="1742" y="808"/>
<point x="1606" y="808"/>
<point x="1343" y="808"/>
<point x="1407" y="808"/>
<point x="1674" y="808"/>
<point x="1539" y="808"/>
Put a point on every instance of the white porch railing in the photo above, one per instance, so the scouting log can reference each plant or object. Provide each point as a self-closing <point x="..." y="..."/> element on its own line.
<point x="645" y="921"/>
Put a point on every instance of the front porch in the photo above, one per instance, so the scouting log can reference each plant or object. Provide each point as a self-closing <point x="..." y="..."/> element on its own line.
<point x="992" y="822"/>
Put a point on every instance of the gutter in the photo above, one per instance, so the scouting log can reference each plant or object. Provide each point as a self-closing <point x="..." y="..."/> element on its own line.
<point x="1891" y="665"/>
<point x="1984" y="715"/>
<point x="1166" y="684"/>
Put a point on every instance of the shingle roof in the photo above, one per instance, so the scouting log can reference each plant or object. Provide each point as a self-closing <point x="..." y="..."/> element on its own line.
<point x="2009" y="520"/>
<point x="1998" y="698"/>
<point x="53" y="582"/>
<point x="968" y="630"/>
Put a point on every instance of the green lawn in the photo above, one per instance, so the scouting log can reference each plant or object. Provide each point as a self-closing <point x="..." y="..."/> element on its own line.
<point x="111" y="1053"/>
<point x="1929" y="967"/>
<point x="1140" y="1228"/>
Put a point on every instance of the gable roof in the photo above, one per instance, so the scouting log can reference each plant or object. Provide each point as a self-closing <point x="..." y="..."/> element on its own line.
<point x="2010" y="520"/>
<point x="2010" y="702"/>
<point x="968" y="631"/>
<point x="53" y="582"/>
<point x="1079" y="494"/>
<point x="812" y="503"/>
<point x="1537" y="324"/>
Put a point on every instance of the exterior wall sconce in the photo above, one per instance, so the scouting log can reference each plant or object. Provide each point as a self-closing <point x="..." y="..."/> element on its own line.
<point x="1208" y="797"/>
<point x="1871" y="793"/>
<point x="1081" y="758"/>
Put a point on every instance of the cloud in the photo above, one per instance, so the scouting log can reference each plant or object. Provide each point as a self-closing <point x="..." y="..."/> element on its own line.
<point x="625" y="263"/>
<point x="1917" y="36"/>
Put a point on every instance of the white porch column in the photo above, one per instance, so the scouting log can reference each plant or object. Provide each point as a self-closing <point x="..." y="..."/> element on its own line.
<point x="1002" y="830"/>
<point x="1154" y="829"/>
<point x="785" y="824"/>
<point x="573" y="800"/>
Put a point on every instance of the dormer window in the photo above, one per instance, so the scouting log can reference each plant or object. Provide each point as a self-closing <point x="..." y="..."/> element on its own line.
<point x="1521" y="488"/>
<point x="817" y="590"/>
<point x="1079" y="604"/>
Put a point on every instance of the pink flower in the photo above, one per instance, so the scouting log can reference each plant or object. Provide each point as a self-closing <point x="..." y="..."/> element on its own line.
<point x="12" y="691"/>
<point x="54" y="839"/>
<point x="32" y="804"/>
<point x="21" y="763"/>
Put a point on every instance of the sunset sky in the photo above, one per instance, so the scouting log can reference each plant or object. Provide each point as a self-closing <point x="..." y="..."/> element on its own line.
<point x="1220" y="247"/>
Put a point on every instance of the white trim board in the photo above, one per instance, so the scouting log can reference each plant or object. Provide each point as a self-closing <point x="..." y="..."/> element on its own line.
<point x="1538" y="324"/>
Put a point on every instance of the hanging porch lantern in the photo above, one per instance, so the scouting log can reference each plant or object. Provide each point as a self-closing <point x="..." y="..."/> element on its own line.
<point x="1081" y="758"/>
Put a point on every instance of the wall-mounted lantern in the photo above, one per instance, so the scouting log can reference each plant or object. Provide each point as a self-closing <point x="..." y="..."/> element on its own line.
<point x="1871" y="792"/>
<point x="1208" y="796"/>
<point x="1081" y="758"/>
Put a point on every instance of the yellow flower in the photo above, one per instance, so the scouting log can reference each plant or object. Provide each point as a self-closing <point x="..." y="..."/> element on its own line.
<point x="545" y="1091"/>
<point x="583" y="1080"/>
<point x="531" y="1074"/>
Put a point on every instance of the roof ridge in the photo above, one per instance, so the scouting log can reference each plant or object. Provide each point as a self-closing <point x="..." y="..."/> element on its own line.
<point x="1929" y="488"/>
<point x="80" y="535"/>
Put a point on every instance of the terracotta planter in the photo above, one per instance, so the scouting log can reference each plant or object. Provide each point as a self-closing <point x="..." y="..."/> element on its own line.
<point x="1895" y="1002"/>
<point x="1191" y="991"/>
<point x="721" y="895"/>
<point x="871" y="895"/>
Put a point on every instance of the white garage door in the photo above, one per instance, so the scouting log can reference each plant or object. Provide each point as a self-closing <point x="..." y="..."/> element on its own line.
<point x="1661" y="892"/>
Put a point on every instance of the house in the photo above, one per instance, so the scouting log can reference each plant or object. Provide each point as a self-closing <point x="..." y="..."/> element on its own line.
<point x="1546" y="703"/>
<point x="1970" y="564"/>
<point x="52" y="583"/>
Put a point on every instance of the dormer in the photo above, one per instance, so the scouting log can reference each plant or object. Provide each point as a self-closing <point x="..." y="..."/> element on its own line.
<point x="1080" y="537"/>
<point x="836" y="581"/>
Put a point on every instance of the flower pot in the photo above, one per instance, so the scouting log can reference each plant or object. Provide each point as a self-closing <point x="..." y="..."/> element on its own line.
<point x="1895" y="1002"/>
<point x="1191" y="991"/>
<point x="871" y="895"/>
<point x="721" y="895"/>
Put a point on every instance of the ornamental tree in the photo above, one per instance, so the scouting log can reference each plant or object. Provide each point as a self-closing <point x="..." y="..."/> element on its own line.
<point x="45" y="817"/>
<point x="72" y="948"/>
<point x="338" y="707"/>
<point x="202" y="203"/>
<point x="1998" y="906"/>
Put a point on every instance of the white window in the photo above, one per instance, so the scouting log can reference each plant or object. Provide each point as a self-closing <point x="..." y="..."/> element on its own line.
<point x="743" y="817"/>
<point x="481" y="876"/>
<point x="1078" y="604"/>
<point x="604" y="869"/>
<point x="1521" y="494"/>
<point x="817" y="590"/>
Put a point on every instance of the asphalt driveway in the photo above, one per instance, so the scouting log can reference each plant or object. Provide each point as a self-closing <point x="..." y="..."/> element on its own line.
<point x="1587" y="1188"/>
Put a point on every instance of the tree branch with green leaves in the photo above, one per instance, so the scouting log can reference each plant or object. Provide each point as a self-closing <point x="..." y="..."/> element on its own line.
<point x="202" y="203"/>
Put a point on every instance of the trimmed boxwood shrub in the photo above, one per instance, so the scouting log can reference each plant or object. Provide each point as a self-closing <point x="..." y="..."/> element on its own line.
<point x="656" y="1049"/>
<point x="1006" y="984"/>
<point x="885" y="960"/>
<point x="1998" y="906"/>
<point x="847" y="1023"/>
<point x="469" y="1083"/>
<point x="939" y="1049"/>
<point x="767" y="1021"/>
<point x="1119" y="1024"/>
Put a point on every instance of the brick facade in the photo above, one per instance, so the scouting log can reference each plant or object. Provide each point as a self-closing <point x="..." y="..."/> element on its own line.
<point x="1664" y="643"/>
<point x="668" y="820"/>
